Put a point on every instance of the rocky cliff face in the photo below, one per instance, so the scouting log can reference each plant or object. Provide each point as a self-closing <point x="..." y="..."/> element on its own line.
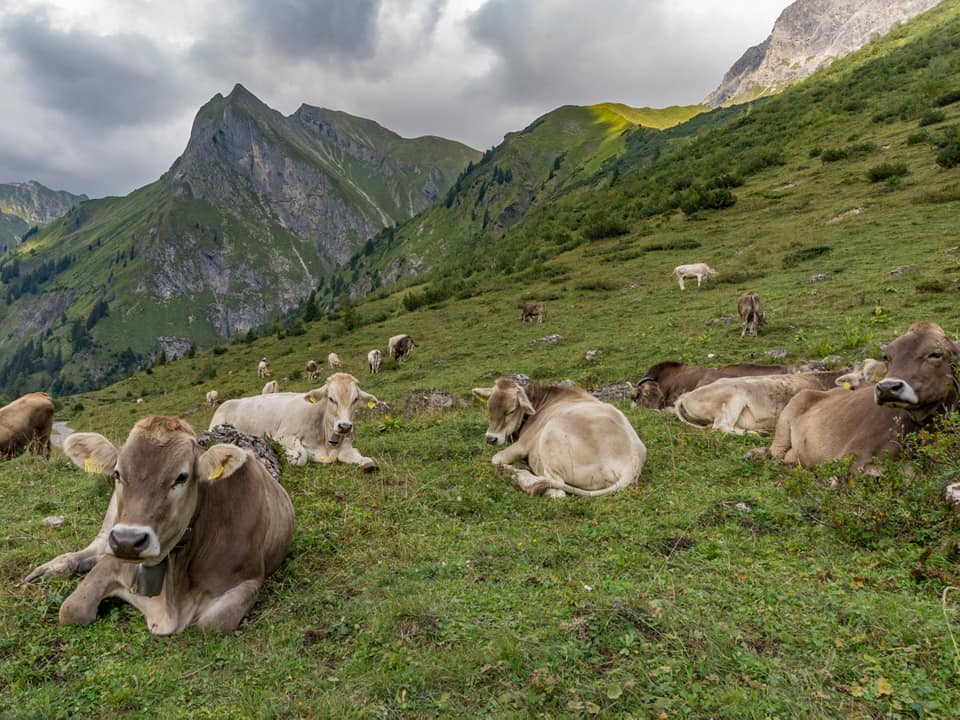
<point x="34" y="203"/>
<point x="328" y="177"/>
<point x="808" y="35"/>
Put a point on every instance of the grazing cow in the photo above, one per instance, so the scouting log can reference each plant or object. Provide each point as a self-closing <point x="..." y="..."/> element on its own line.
<point x="664" y="382"/>
<point x="533" y="311"/>
<point x="399" y="347"/>
<point x="333" y="361"/>
<point x="263" y="368"/>
<point x="701" y="271"/>
<point x="867" y="422"/>
<point x="212" y="396"/>
<point x="26" y="424"/>
<point x="313" y="370"/>
<point x="271" y="386"/>
<point x="374" y="358"/>
<point x="188" y="537"/>
<point x="737" y="405"/>
<point x="572" y="442"/>
<point x="751" y="314"/>
<point x="316" y="425"/>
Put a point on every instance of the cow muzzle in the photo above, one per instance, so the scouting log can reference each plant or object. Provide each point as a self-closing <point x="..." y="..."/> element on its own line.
<point x="893" y="391"/>
<point x="133" y="542"/>
<point x="494" y="439"/>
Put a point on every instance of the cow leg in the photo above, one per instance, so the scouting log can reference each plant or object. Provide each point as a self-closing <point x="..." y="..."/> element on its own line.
<point x="698" y="280"/>
<point x="103" y="581"/>
<point x="297" y="454"/>
<point x="527" y="480"/>
<point x="81" y="561"/>
<point x="729" y="415"/>
<point x="509" y="455"/>
<point x="352" y="455"/>
<point x="225" y="612"/>
<point x="681" y="283"/>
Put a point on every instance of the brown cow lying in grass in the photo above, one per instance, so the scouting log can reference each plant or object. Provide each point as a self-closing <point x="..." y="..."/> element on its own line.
<point x="572" y="442"/>
<point x="26" y="424"/>
<point x="817" y="426"/>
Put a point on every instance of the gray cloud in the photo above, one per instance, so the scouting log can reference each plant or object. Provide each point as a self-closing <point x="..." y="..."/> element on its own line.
<point x="103" y="94"/>
<point x="120" y="79"/>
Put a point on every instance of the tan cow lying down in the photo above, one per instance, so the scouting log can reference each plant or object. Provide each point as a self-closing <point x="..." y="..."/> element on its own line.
<point x="737" y="405"/>
<point x="189" y="535"/>
<point x="666" y="381"/>
<point x="819" y="426"/>
<point x="25" y="424"/>
<point x="572" y="442"/>
<point x="316" y="425"/>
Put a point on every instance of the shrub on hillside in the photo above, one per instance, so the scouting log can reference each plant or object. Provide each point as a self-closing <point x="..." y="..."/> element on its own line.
<point x="600" y="225"/>
<point x="949" y="155"/>
<point x="833" y="154"/>
<point x="803" y="254"/>
<point x="695" y="200"/>
<point x="885" y="171"/>
<point x="948" y="98"/>
<point x="918" y="138"/>
<point x="931" y="117"/>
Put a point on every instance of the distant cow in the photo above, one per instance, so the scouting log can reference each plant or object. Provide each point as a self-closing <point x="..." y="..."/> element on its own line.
<point x="333" y="361"/>
<point x="399" y="347"/>
<point x="263" y="368"/>
<point x="313" y="370"/>
<point x="374" y="358"/>
<point x="533" y="311"/>
<point x="26" y="424"/>
<point x="751" y="314"/>
<point x="740" y="404"/>
<point x="316" y="425"/>
<point x="867" y="372"/>
<point x="664" y="382"/>
<point x="701" y="271"/>
<point x="271" y="386"/>
<point x="188" y="537"/>
<point x="212" y="396"/>
<point x="870" y="421"/>
<point x="572" y="442"/>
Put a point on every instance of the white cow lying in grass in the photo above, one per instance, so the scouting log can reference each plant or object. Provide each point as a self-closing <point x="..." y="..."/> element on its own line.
<point x="572" y="442"/>
<point x="316" y="425"/>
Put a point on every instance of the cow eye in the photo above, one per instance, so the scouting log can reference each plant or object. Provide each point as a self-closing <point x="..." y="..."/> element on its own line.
<point x="116" y="476"/>
<point x="181" y="479"/>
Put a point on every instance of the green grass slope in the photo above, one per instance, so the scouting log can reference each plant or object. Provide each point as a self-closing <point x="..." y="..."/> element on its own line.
<point x="714" y="588"/>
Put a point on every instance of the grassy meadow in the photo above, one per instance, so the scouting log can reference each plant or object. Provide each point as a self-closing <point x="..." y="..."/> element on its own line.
<point x="715" y="587"/>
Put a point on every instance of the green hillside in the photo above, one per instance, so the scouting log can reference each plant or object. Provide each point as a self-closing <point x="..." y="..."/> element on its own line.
<point x="237" y="234"/>
<point x="11" y="229"/>
<point x="714" y="588"/>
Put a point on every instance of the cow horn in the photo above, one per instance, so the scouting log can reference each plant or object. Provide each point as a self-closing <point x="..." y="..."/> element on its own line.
<point x="645" y="378"/>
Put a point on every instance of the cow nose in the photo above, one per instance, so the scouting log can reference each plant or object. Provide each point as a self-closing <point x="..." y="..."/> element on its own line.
<point x="129" y="542"/>
<point x="344" y="427"/>
<point x="491" y="439"/>
<point x="888" y="389"/>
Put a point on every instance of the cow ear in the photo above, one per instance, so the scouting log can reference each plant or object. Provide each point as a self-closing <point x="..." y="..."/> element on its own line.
<point x="92" y="452"/>
<point x="370" y="400"/>
<point x="316" y="395"/>
<point x="482" y="394"/>
<point x="220" y="461"/>
<point x="525" y="402"/>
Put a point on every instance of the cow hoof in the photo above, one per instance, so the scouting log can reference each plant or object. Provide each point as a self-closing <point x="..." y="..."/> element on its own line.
<point x="756" y="453"/>
<point x="369" y="467"/>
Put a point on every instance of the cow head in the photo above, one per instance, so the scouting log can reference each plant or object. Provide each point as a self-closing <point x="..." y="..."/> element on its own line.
<point x="921" y="370"/>
<point x="867" y="372"/>
<point x="509" y="405"/>
<point x="338" y="397"/>
<point x="158" y="473"/>
<point x="646" y="393"/>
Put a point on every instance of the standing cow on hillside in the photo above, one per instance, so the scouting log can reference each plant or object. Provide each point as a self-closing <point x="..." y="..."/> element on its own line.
<point x="374" y="358"/>
<point x="701" y="271"/>
<point x="313" y="370"/>
<point x="751" y="313"/>
<point x="533" y="311"/>
<point x="263" y="368"/>
<point x="399" y="347"/>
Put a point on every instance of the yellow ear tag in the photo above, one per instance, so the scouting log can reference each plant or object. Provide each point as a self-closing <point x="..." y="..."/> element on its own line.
<point x="216" y="473"/>
<point x="324" y="458"/>
<point x="371" y="404"/>
<point x="481" y="398"/>
<point x="91" y="466"/>
<point x="311" y="399"/>
<point x="848" y="386"/>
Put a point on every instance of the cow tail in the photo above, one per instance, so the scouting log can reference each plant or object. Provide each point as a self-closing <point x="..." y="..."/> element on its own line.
<point x="541" y="486"/>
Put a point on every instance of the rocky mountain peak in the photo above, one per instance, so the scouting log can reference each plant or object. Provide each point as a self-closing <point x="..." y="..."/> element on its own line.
<point x="808" y="35"/>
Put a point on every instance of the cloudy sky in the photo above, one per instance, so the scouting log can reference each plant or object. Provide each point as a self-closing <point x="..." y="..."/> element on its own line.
<point x="99" y="95"/>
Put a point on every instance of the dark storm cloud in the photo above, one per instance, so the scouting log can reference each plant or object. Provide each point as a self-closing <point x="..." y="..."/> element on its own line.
<point x="299" y="28"/>
<point x="120" y="79"/>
